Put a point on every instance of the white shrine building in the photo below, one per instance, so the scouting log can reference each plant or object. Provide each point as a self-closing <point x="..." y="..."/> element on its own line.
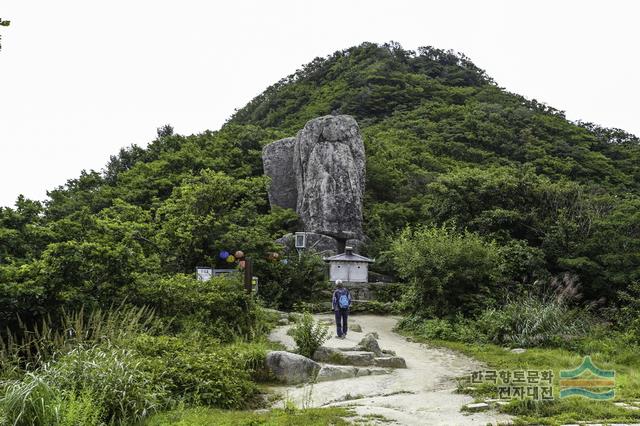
<point x="349" y="267"/>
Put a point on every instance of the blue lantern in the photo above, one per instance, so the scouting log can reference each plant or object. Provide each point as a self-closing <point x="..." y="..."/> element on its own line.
<point x="223" y="255"/>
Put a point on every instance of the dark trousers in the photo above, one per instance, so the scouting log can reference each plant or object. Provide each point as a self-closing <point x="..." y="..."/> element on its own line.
<point x="341" y="321"/>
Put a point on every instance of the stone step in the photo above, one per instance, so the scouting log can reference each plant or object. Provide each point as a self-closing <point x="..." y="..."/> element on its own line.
<point x="338" y="372"/>
<point x="390" y="362"/>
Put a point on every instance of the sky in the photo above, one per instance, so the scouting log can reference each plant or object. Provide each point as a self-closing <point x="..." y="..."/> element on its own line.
<point x="81" y="79"/>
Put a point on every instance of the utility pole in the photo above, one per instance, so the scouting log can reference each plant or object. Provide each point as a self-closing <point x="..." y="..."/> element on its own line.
<point x="248" y="274"/>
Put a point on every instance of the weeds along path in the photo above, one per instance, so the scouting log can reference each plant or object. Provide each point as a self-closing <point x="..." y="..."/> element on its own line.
<point x="421" y="394"/>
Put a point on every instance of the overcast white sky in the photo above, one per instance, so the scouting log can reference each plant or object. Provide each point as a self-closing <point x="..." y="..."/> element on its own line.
<point x="81" y="79"/>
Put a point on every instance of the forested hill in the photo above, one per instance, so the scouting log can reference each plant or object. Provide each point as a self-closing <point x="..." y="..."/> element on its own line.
<point x="446" y="146"/>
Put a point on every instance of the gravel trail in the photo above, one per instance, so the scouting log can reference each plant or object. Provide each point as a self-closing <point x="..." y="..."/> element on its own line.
<point x="421" y="394"/>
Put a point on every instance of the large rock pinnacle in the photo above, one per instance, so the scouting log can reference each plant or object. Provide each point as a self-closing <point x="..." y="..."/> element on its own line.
<point x="277" y="158"/>
<point x="323" y="169"/>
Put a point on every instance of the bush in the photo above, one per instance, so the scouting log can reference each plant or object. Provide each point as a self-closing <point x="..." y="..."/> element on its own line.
<point x="300" y="279"/>
<point x="114" y="379"/>
<point x="219" y="307"/>
<point x="309" y="335"/>
<point x="534" y="321"/>
<point x="449" y="272"/>
<point x="196" y="369"/>
<point x="458" y="329"/>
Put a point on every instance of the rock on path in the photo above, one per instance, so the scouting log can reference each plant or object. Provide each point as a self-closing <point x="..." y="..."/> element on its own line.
<point x="421" y="394"/>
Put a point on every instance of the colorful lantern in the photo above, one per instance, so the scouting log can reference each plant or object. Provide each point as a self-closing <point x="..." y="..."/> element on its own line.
<point x="242" y="264"/>
<point x="223" y="254"/>
<point x="239" y="254"/>
<point x="231" y="259"/>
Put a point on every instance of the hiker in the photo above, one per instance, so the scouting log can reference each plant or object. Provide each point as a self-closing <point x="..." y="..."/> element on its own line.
<point x="341" y="304"/>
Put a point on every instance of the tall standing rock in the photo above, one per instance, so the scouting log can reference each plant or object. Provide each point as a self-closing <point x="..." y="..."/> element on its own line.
<point x="321" y="174"/>
<point x="329" y="165"/>
<point x="277" y="161"/>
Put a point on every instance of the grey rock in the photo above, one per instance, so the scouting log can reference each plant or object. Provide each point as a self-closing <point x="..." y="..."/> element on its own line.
<point x="326" y="354"/>
<point x="389" y="352"/>
<point x="518" y="351"/>
<point x="319" y="243"/>
<point x="369" y="343"/>
<point x="479" y="406"/>
<point x="390" y="362"/>
<point x="359" y="358"/>
<point x="371" y="371"/>
<point x="336" y="372"/>
<point x="277" y="161"/>
<point x="283" y="321"/>
<point x="291" y="368"/>
<point x="329" y="166"/>
<point x="336" y="356"/>
<point x="355" y="327"/>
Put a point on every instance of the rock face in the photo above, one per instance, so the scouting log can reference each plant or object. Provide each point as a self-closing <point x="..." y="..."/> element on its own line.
<point x="317" y="242"/>
<point x="291" y="368"/>
<point x="329" y="165"/>
<point x="277" y="158"/>
<point x="321" y="174"/>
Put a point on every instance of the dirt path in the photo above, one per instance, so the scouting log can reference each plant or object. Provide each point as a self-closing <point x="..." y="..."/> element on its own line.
<point x="421" y="394"/>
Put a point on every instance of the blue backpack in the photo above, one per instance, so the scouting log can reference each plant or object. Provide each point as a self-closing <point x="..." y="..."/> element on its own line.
<point x="343" y="301"/>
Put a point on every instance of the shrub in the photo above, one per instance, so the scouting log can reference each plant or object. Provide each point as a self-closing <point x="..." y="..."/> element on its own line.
<point x="457" y="329"/>
<point x="80" y="410"/>
<point x="533" y="321"/>
<point x="450" y="272"/>
<point x="629" y="317"/>
<point x="220" y="307"/>
<point x="301" y="278"/>
<point x="388" y="292"/>
<point x="114" y="379"/>
<point x="197" y="370"/>
<point x="309" y="335"/>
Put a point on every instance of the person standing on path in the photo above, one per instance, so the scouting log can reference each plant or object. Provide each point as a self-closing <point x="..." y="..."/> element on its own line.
<point x="341" y="303"/>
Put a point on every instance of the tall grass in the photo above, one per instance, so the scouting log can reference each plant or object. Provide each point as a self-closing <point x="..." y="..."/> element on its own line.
<point x="33" y="344"/>
<point x="549" y="318"/>
<point x="29" y="402"/>
<point x="532" y="321"/>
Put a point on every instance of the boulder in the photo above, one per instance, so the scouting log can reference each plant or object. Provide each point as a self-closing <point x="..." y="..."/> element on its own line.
<point x="369" y="343"/>
<point x="291" y="368"/>
<point x="359" y="358"/>
<point x="390" y="362"/>
<point x="326" y="354"/>
<point x="336" y="356"/>
<point x="329" y="167"/>
<point x="277" y="162"/>
<point x="355" y="327"/>
<point x="336" y="372"/>
<point x="371" y="371"/>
